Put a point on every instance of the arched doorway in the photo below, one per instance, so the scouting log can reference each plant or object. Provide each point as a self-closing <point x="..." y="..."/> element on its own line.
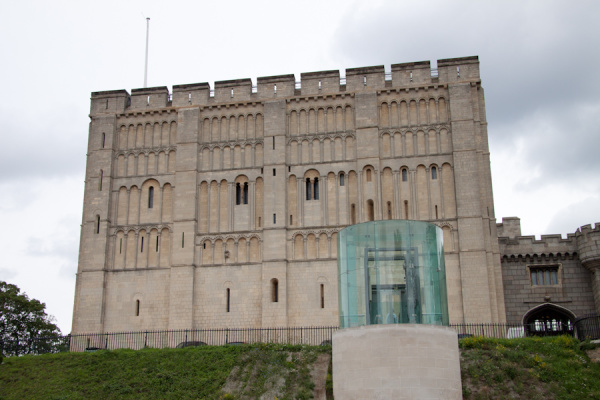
<point x="548" y="320"/>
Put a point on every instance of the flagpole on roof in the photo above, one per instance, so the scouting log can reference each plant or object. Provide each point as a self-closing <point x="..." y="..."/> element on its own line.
<point x="146" y="65"/>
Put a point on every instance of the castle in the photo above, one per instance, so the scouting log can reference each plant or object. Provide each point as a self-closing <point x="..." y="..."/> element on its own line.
<point x="220" y="208"/>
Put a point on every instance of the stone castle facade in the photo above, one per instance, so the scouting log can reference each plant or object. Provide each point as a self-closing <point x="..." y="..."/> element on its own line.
<point x="220" y="208"/>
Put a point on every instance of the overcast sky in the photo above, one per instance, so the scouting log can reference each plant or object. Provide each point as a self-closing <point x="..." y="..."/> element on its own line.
<point x="539" y="68"/>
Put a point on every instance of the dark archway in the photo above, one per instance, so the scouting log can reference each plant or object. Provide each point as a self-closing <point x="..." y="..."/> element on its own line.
<point x="548" y="320"/>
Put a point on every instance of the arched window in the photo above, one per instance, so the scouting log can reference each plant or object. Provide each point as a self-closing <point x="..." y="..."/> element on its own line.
<point x="245" y="197"/>
<point x="322" y="296"/>
<point x="368" y="175"/>
<point x="151" y="197"/>
<point x="100" y="181"/>
<point x="308" y="189"/>
<point x="316" y="191"/>
<point x="137" y="308"/>
<point x="371" y="210"/>
<point x="103" y="139"/>
<point x="274" y="290"/>
<point x="433" y="173"/>
<point x="228" y="299"/>
<point x="97" y="224"/>
<point x="342" y="179"/>
<point x="238" y="194"/>
<point x="404" y="175"/>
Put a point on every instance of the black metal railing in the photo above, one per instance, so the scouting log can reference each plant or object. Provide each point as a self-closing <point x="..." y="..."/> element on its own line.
<point x="588" y="327"/>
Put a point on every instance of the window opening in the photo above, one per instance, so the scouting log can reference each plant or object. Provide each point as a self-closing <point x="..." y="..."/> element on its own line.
<point x="231" y="93"/>
<point x="342" y="179"/>
<point x="151" y="197"/>
<point x="120" y="246"/>
<point x="148" y="101"/>
<point x="157" y="244"/>
<point x="275" y="88"/>
<point x="190" y="97"/>
<point x="411" y="76"/>
<point x="137" y="308"/>
<point x="228" y="299"/>
<point x="289" y="169"/>
<point x="204" y="245"/>
<point x="353" y="214"/>
<point x="107" y="104"/>
<point x="319" y="85"/>
<point x="436" y="212"/>
<point x="433" y="173"/>
<point x="182" y="240"/>
<point x="458" y="72"/>
<point x="261" y="171"/>
<point x="274" y="219"/>
<point x="291" y="220"/>
<point x="404" y="175"/>
<point x="259" y="222"/>
<point x="103" y="139"/>
<point x="368" y="175"/>
<point x="371" y="210"/>
<point x="406" y="209"/>
<point x="274" y="172"/>
<point x="389" y="210"/>
<point x="142" y="245"/>
<point x="316" y="189"/>
<point x="322" y="296"/>
<point x="238" y="194"/>
<point x="274" y="290"/>
<point x="97" y="224"/>
<point x="100" y="182"/>
<point x="273" y="142"/>
<point x="245" y="199"/>
<point x="364" y="80"/>
<point x="308" y="189"/>
<point x="544" y="276"/>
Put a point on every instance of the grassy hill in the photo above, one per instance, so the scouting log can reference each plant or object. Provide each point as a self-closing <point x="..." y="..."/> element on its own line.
<point x="530" y="368"/>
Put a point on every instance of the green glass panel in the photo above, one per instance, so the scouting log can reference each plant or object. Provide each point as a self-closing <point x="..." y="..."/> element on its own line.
<point x="392" y="272"/>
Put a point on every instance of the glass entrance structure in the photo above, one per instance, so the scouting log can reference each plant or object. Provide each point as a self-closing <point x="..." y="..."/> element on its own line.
<point x="391" y="272"/>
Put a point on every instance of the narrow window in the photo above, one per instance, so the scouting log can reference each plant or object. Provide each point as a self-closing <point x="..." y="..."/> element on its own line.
<point x="342" y="176"/>
<point x="433" y="173"/>
<point x="259" y="222"/>
<point x="368" y="175"/>
<point x="274" y="172"/>
<point x="411" y="76"/>
<point x="157" y="244"/>
<point x="274" y="290"/>
<point x="261" y="171"/>
<point x="404" y="175"/>
<point x="107" y="104"/>
<point x="151" y="197"/>
<point x="406" y="209"/>
<point x="353" y="214"/>
<point x="275" y="88"/>
<point x="97" y="224"/>
<point x="148" y="101"/>
<point x="228" y="298"/>
<point x="289" y="169"/>
<point x="190" y="97"/>
<point x="142" y="245"/>
<point x="291" y="220"/>
<point x="120" y="246"/>
<point x="137" y="308"/>
<point x="204" y="245"/>
<point x="245" y="199"/>
<point x="103" y="139"/>
<point x="322" y="296"/>
<point x="316" y="191"/>
<point x="274" y="219"/>
<point x="182" y="239"/>
<point x="100" y="180"/>
<point x="458" y="72"/>
<point x="319" y="85"/>
<point x="273" y="142"/>
<point x="364" y="80"/>
<point x="231" y="93"/>
<point x="371" y="210"/>
<point x="308" y="189"/>
<point x="389" y="210"/>
<point x="238" y="194"/>
<point x="436" y="212"/>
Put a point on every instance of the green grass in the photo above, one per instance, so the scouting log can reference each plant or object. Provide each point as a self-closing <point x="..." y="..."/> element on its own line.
<point x="530" y="368"/>
<point x="190" y="373"/>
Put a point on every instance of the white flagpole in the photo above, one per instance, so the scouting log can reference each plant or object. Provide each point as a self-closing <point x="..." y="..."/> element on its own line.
<point x="146" y="66"/>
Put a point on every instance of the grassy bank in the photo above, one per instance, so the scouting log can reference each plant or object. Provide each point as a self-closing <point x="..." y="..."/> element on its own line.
<point x="531" y="368"/>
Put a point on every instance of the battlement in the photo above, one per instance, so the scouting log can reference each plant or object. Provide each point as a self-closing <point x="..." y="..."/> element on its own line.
<point x="412" y="75"/>
<point x="588" y="242"/>
<point x="587" y="229"/>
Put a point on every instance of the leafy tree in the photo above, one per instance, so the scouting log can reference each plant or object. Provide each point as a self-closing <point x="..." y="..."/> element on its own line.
<point x="25" y="328"/>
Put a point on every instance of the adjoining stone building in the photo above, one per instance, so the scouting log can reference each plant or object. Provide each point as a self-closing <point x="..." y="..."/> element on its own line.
<point x="552" y="279"/>
<point x="220" y="208"/>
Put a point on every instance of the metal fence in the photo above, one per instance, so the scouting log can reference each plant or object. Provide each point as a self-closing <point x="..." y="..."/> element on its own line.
<point x="584" y="328"/>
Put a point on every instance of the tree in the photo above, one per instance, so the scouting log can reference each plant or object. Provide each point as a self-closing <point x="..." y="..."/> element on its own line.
<point x="25" y="328"/>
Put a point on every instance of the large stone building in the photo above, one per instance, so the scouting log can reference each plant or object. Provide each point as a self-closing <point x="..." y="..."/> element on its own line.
<point x="220" y="208"/>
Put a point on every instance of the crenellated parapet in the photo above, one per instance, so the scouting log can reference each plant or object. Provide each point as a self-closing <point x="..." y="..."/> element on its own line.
<point x="406" y="76"/>
<point x="588" y="245"/>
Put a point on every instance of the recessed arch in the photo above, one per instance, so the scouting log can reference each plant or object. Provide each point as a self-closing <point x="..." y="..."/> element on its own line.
<point x="548" y="319"/>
